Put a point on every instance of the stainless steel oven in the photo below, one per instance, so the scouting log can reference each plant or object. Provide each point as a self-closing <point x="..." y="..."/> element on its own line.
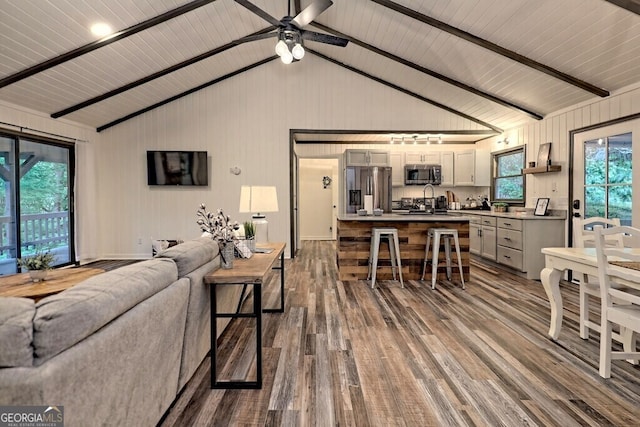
<point x="422" y="174"/>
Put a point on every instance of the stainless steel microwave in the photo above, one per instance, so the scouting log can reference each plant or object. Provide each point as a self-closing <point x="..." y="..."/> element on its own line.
<point x="422" y="174"/>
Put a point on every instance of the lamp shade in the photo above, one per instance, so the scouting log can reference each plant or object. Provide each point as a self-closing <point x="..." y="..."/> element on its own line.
<point x="258" y="199"/>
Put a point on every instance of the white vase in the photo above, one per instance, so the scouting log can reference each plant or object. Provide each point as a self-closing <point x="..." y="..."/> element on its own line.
<point x="38" y="275"/>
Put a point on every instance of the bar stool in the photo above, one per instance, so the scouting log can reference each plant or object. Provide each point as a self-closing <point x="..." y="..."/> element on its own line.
<point x="390" y="234"/>
<point x="434" y="234"/>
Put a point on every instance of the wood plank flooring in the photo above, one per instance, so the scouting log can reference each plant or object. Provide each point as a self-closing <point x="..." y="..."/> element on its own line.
<point x="343" y="354"/>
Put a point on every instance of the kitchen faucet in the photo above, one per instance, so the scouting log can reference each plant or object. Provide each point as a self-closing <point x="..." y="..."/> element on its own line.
<point x="433" y="196"/>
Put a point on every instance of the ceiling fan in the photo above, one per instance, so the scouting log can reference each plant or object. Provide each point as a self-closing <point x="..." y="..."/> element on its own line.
<point x="289" y="29"/>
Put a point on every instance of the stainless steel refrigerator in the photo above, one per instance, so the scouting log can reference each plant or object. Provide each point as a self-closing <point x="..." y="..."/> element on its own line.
<point x="374" y="181"/>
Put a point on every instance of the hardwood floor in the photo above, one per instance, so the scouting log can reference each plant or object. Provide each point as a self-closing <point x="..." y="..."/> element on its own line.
<point x="343" y="354"/>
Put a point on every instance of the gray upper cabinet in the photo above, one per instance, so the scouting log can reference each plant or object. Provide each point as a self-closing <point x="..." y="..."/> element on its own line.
<point x="472" y="168"/>
<point x="368" y="158"/>
<point x="446" y="161"/>
<point x="397" y="169"/>
<point x="422" y="158"/>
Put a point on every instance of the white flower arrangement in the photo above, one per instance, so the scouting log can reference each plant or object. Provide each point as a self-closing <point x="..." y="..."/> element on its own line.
<point x="39" y="261"/>
<point x="218" y="225"/>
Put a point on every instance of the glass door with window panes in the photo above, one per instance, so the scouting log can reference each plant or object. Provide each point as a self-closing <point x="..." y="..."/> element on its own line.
<point x="605" y="172"/>
<point x="36" y="216"/>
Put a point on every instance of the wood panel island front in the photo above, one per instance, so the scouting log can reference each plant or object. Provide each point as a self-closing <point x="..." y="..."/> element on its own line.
<point x="354" y="239"/>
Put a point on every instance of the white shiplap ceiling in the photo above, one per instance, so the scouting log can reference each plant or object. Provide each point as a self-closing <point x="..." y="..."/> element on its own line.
<point x="591" y="40"/>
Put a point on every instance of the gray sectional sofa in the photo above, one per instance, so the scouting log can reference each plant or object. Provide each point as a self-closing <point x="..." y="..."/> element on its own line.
<point x="117" y="348"/>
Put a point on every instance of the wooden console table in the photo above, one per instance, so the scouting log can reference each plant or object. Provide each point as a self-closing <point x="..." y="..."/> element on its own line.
<point x="20" y="285"/>
<point x="251" y="271"/>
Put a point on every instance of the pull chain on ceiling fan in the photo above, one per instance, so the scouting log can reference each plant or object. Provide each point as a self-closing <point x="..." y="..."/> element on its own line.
<point x="290" y="33"/>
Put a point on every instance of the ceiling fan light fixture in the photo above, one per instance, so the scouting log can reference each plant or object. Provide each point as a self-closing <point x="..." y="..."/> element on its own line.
<point x="287" y="57"/>
<point x="298" y="51"/>
<point x="281" y="48"/>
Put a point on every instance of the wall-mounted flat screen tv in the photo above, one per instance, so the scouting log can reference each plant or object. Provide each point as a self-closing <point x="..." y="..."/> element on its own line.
<point x="177" y="168"/>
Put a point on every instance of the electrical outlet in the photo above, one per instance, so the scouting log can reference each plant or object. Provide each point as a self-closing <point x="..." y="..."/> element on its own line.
<point x="139" y="240"/>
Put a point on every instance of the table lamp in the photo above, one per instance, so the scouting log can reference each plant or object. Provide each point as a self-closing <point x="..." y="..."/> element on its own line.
<point x="258" y="200"/>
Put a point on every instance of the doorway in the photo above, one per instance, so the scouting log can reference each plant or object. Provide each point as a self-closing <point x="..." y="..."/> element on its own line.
<point x="318" y="184"/>
<point x="37" y="178"/>
<point x="606" y="175"/>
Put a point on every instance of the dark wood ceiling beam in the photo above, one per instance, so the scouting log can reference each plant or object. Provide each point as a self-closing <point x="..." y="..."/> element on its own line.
<point x="50" y="63"/>
<point x="154" y="76"/>
<point x="431" y="73"/>
<point x="630" y="5"/>
<point x="405" y="91"/>
<point x="185" y="93"/>
<point x="387" y="131"/>
<point x="493" y="47"/>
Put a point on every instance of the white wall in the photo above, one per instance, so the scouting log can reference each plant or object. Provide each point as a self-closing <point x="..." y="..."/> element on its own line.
<point x="244" y="122"/>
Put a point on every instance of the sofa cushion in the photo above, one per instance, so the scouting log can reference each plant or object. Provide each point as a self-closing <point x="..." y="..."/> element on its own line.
<point x="192" y="254"/>
<point x="16" y="331"/>
<point x="65" y="319"/>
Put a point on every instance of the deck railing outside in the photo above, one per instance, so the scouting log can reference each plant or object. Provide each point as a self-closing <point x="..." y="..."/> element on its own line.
<point x="45" y="231"/>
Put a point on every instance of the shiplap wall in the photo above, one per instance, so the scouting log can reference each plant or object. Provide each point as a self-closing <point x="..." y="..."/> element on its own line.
<point x="245" y="122"/>
<point x="555" y="128"/>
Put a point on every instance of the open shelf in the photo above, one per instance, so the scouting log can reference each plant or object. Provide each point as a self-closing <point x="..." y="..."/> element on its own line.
<point x="542" y="169"/>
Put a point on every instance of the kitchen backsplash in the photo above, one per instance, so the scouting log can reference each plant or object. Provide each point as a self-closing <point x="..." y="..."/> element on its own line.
<point x="461" y="192"/>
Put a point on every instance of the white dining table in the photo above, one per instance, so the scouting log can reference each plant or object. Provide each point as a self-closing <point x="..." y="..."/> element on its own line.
<point x="580" y="260"/>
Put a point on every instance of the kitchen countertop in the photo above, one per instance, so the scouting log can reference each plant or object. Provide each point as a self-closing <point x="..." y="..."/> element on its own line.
<point x="399" y="217"/>
<point x="461" y="215"/>
<point x="515" y="215"/>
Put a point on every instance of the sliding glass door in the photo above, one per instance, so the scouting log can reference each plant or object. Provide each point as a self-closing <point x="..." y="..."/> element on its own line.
<point x="37" y="192"/>
<point x="8" y="228"/>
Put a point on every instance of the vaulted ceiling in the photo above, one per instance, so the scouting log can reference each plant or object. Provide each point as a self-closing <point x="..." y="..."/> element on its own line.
<point x="499" y="63"/>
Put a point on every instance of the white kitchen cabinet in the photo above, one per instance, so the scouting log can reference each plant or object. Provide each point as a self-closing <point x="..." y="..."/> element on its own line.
<point x="513" y="242"/>
<point x="367" y="158"/>
<point x="482" y="236"/>
<point x="520" y="242"/>
<point x="397" y="169"/>
<point x="422" y="158"/>
<point x="472" y="168"/>
<point x="446" y="161"/>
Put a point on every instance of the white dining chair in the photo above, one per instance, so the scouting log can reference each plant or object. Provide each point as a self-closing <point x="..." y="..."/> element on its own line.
<point x="620" y="305"/>
<point x="583" y="237"/>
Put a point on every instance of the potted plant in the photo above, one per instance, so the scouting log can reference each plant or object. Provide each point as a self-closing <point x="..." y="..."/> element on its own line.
<point x="250" y="234"/>
<point x="38" y="264"/>
<point x="221" y="229"/>
<point x="500" y="207"/>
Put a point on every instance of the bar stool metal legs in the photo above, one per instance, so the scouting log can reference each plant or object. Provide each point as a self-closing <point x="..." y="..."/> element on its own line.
<point x="433" y="240"/>
<point x="391" y="235"/>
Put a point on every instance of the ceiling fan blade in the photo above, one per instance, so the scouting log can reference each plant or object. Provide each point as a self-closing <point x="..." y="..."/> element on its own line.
<point x="256" y="37"/>
<point x="261" y="13"/>
<point x="324" y="38"/>
<point x="311" y="12"/>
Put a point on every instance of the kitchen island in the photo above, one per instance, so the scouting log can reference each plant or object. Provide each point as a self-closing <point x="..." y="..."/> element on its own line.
<point x="354" y="239"/>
